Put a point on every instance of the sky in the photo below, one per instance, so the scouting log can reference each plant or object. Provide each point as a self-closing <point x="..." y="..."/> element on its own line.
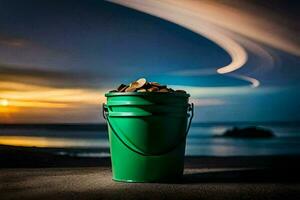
<point x="238" y="60"/>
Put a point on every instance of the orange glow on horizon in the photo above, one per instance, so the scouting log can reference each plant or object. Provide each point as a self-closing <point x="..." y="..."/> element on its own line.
<point x="22" y="102"/>
<point x="32" y="141"/>
<point x="50" y="142"/>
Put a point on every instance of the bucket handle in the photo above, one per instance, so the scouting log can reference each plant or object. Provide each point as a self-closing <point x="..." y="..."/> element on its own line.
<point x="138" y="151"/>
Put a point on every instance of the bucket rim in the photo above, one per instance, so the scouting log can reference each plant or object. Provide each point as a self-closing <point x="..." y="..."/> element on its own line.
<point x="112" y="94"/>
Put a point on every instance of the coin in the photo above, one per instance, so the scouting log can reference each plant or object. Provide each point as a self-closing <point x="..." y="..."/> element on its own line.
<point x="139" y="83"/>
<point x="164" y="90"/>
<point x="155" y="84"/>
<point x="130" y="89"/>
<point x="153" y="89"/>
<point x="162" y="86"/>
<point x="147" y="86"/>
<point x="170" y="90"/>
<point x="121" y="87"/>
<point x="180" y="91"/>
<point x="133" y="84"/>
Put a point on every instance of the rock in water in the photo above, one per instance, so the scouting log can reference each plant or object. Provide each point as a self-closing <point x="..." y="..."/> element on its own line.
<point x="249" y="132"/>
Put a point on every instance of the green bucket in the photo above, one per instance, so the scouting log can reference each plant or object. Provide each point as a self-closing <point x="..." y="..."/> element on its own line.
<point x="147" y="135"/>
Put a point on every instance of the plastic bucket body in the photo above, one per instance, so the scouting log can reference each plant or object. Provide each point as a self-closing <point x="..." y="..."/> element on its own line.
<point x="147" y="135"/>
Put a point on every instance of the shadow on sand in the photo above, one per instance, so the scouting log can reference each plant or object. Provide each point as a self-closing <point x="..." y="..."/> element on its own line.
<point x="245" y="176"/>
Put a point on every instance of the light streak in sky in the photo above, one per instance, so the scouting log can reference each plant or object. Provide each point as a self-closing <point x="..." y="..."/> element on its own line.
<point x="207" y="102"/>
<point x="221" y="24"/>
<point x="254" y="82"/>
<point x="216" y="92"/>
<point x="184" y="17"/>
<point x="249" y="23"/>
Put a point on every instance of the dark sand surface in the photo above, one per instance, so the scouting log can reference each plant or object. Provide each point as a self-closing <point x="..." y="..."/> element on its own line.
<point x="28" y="173"/>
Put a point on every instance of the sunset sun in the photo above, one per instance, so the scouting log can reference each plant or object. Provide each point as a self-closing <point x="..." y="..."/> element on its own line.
<point x="4" y="102"/>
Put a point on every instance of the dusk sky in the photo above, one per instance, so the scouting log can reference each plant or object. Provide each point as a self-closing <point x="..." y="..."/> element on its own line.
<point x="239" y="61"/>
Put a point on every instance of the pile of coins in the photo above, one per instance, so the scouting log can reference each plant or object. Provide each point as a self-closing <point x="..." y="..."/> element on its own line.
<point x="141" y="85"/>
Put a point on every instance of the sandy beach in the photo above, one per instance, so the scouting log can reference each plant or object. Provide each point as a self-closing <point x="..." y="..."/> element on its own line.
<point x="96" y="183"/>
<point x="28" y="173"/>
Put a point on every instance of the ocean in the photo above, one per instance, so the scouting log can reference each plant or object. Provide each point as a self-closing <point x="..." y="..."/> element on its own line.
<point x="92" y="140"/>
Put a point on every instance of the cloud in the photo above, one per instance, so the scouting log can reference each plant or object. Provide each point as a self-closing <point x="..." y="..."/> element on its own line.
<point x="12" y="41"/>
<point x="24" y="60"/>
<point x="47" y="77"/>
<point x="42" y="95"/>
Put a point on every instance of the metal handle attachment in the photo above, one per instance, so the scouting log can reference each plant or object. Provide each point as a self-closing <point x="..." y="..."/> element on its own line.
<point x="138" y="151"/>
